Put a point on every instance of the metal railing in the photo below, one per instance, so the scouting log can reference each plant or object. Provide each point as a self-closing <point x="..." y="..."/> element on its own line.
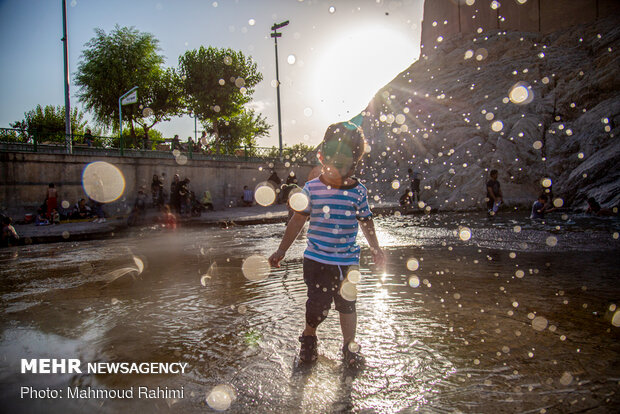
<point x="17" y="140"/>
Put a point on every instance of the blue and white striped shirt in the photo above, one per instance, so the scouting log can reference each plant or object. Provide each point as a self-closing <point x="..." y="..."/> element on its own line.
<point x="334" y="212"/>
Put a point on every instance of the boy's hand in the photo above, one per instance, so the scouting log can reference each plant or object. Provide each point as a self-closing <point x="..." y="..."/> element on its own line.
<point x="378" y="256"/>
<point x="276" y="258"/>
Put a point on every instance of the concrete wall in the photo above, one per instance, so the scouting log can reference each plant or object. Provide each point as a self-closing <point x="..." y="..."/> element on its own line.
<point x="531" y="16"/>
<point x="24" y="178"/>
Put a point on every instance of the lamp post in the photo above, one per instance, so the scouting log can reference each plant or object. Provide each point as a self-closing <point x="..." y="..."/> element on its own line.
<point x="275" y="36"/>
<point x="65" y="42"/>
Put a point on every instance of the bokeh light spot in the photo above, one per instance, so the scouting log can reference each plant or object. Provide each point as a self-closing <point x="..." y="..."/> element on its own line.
<point x="103" y="182"/>
<point x="264" y="194"/>
<point x="413" y="264"/>
<point x="221" y="397"/>
<point x="298" y="201"/>
<point x="255" y="268"/>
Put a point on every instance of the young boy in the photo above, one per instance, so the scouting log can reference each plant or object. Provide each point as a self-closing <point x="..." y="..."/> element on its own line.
<point x="336" y="202"/>
<point x="540" y="207"/>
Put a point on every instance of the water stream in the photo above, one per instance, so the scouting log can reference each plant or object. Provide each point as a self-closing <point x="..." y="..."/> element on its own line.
<point x="515" y="318"/>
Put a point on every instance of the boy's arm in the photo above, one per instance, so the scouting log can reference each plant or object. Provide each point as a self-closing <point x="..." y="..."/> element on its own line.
<point x="292" y="230"/>
<point x="368" y="228"/>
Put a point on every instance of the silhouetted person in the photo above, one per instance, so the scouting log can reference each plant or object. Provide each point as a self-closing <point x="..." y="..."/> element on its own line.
<point x="494" y="193"/>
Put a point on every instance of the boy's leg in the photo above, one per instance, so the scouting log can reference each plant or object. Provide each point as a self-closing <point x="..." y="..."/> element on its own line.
<point x="348" y="325"/>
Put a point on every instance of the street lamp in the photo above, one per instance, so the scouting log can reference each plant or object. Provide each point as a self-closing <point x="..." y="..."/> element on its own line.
<point x="68" y="140"/>
<point x="275" y="36"/>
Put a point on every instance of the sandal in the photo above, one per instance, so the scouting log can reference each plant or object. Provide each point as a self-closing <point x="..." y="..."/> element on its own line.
<point x="308" y="352"/>
<point x="352" y="359"/>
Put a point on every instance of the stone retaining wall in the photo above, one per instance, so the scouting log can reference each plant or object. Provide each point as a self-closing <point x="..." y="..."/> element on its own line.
<point x="447" y="18"/>
<point x="24" y="178"/>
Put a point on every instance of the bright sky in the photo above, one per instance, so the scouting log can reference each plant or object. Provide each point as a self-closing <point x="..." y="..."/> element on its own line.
<point x="333" y="56"/>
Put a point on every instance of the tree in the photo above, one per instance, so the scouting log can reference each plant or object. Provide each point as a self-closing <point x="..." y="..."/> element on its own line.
<point x="240" y="130"/>
<point x="217" y="84"/>
<point x="112" y="64"/>
<point x="48" y="124"/>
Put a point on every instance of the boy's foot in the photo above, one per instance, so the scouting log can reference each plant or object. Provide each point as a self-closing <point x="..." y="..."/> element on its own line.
<point x="351" y="356"/>
<point x="308" y="352"/>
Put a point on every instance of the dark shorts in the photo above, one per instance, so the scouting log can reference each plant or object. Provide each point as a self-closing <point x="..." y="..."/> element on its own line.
<point x="323" y="281"/>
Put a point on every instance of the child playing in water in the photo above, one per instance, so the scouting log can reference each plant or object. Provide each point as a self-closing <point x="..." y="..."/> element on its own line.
<point x="336" y="202"/>
<point x="540" y="207"/>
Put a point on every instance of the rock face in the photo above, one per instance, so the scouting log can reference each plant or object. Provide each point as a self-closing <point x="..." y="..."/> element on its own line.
<point x="530" y="105"/>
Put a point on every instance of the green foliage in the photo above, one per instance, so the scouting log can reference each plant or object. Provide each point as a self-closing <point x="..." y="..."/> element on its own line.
<point x="137" y="139"/>
<point x="297" y="151"/>
<point x="48" y="123"/>
<point x="217" y="84"/>
<point x="112" y="64"/>
<point x="239" y="131"/>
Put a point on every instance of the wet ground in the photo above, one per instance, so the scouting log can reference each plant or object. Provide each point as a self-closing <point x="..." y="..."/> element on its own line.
<point x="500" y="315"/>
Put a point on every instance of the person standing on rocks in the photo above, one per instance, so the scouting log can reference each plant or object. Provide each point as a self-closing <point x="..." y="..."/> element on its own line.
<point x="494" y="193"/>
<point x="415" y="186"/>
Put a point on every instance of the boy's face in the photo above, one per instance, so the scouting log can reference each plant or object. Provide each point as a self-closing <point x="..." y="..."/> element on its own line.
<point x="337" y="160"/>
<point x="494" y="176"/>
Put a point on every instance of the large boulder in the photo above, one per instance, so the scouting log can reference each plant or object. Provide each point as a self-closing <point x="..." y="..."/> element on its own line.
<point x="451" y="116"/>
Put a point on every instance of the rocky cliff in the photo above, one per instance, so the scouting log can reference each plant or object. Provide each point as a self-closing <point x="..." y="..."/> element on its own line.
<point x="540" y="108"/>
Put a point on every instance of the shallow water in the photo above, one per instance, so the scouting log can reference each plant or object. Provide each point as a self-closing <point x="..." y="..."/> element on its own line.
<point x="514" y="319"/>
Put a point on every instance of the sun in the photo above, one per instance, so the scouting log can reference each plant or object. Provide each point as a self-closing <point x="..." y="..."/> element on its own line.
<point x="355" y="65"/>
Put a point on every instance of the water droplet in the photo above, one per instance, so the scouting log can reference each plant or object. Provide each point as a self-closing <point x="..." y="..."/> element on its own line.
<point x="221" y="397"/>
<point x="414" y="282"/>
<point x="354" y="347"/>
<point x="519" y="273"/>
<point x="539" y="323"/>
<point x="332" y="9"/>
<point x="558" y="202"/>
<point x="86" y="269"/>
<point x="521" y="94"/>
<point x="537" y="145"/>
<point x="413" y="264"/>
<point x="264" y="194"/>
<point x="228" y="60"/>
<point x="546" y="182"/>
<point x="251" y="22"/>
<point x="308" y="112"/>
<point x="103" y="182"/>
<point x="181" y="159"/>
<point x="497" y="126"/>
<point x="298" y="201"/>
<point x="348" y="290"/>
<point x="65" y="204"/>
<point x="291" y="59"/>
<point x="395" y="184"/>
<point x="146" y="112"/>
<point x="65" y="234"/>
<point x="464" y="233"/>
<point x="566" y="378"/>
<point x="255" y="268"/>
<point x="354" y="276"/>
<point x="468" y="54"/>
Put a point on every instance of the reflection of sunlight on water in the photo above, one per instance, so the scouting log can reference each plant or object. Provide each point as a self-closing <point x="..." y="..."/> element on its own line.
<point x="415" y="330"/>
